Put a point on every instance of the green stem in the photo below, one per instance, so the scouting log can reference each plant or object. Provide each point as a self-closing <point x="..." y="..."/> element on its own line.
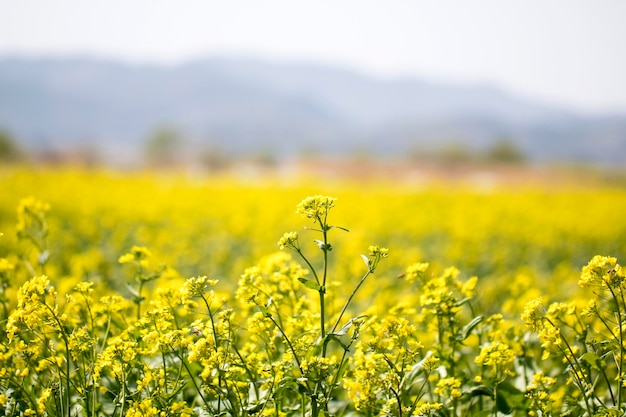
<point x="495" y="400"/>
<point x="398" y="400"/>
<point x="349" y="300"/>
<point x="92" y="353"/>
<point x="322" y="313"/>
<point x="293" y="350"/>
<point x="219" y="370"/>
<point x="419" y="392"/>
<point x="193" y="380"/>
<point x="608" y="384"/>
<point x="322" y="290"/>
<point x="106" y="333"/>
<point x="123" y="401"/>
<point x="606" y="325"/>
<point x="620" y="325"/>
<point x="20" y="387"/>
<point x="304" y="258"/>
<point x="575" y="366"/>
<point x="5" y="313"/>
<point x="247" y="369"/>
<point x="66" y="342"/>
<point x="214" y="330"/>
<point x="139" y="298"/>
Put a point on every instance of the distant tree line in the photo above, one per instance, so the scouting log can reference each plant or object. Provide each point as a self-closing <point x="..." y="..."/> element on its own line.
<point x="501" y="151"/>
<point x="9" y="151"/>
<point x="167" y="146"/>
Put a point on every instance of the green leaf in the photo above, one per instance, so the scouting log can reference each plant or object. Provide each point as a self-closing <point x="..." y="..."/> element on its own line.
<point x="416" y="370"/>
<point x="333" y="336"/>
<point x="481" y="390"/>
<point x="345" y="328"/>
<point x="309" y="284"/>
<point x="591" y="359"/>
<point x="255" y="408"/>
<point x="502" y="404"/>
<point x="483" y="413"/>
<point x="342" y="370"/>
<point x="178" y="389"/>
<point x="411" y="376"/>
<point x="510" y="397"/>
<point x="284" y="387"/>
<point x="467" y="329"/>
<point x="132" y="290"/>
<point x="463" y="301"/>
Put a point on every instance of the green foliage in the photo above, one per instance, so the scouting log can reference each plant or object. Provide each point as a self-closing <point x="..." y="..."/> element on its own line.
<point x="9" y="151"/>
<point x="505" y="151"/>
<point x="164" y="146"/>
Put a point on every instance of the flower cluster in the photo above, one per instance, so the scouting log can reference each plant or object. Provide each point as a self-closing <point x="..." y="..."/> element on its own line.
<point x="298" y="336"/>
<point x="602" y="271"/>
<point x="588" y="339"/>
<point x="316" y="207"/>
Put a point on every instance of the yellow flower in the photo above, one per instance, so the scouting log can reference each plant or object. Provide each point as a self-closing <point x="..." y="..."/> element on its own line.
<point x="317" y="368"/>
<point x="198" y="286"/>
<point x="532" y="314"/>
<point x="417" y="271"/>
<point x="468" y="287"/>
<point x="316" y="207"/>
<point x="31" y="213"/>
<point x="5" y="265"/>
<point x="138" y="254"/>
<point x="33" y="291"/>
<point x="79" y="341"/>
<point x="126" y="258"/>
<point x="145" y="408"/>
<point x="43" y="398"/>
<point x="249" y="284"/>
<point x="289" y="240"/>
<point x="495" y="355"/>
<point x="449" y="387"/>
<point x="601" y="271"/>
<point x="84" y="287"/>
<point x="427" y="408"/>
<point x="376" y="253"/>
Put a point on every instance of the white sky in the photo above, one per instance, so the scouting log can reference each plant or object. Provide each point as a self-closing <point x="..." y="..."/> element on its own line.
<point x="569" y="52"/>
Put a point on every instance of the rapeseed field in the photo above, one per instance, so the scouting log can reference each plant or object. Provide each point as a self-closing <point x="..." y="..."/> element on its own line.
<point x="147" y="294"/>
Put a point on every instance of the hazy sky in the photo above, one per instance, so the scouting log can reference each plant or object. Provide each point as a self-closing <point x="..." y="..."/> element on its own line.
<point x="565" y="51"/>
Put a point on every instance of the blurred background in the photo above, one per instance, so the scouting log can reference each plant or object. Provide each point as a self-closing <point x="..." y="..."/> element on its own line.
<point x="341" y="85"/>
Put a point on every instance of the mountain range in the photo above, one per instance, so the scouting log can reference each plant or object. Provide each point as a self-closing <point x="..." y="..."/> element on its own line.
<point x="243" y="106"/>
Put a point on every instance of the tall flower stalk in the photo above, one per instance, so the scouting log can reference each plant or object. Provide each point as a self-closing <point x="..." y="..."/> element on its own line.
<point x="317" y="209"/>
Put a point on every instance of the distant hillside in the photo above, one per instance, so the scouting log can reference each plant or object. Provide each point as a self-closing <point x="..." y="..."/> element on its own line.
<point x="247" y="106"/>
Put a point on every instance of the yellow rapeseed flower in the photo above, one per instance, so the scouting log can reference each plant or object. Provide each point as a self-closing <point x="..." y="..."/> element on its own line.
<point x="5" y="265"/>
<point x="316" y="207"/>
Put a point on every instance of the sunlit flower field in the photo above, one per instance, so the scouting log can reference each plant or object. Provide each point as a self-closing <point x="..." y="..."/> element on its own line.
<point x="152" y="294"/>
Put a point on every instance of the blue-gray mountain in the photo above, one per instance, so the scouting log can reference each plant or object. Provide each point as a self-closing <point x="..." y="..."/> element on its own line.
<point x="250" y="105"/>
